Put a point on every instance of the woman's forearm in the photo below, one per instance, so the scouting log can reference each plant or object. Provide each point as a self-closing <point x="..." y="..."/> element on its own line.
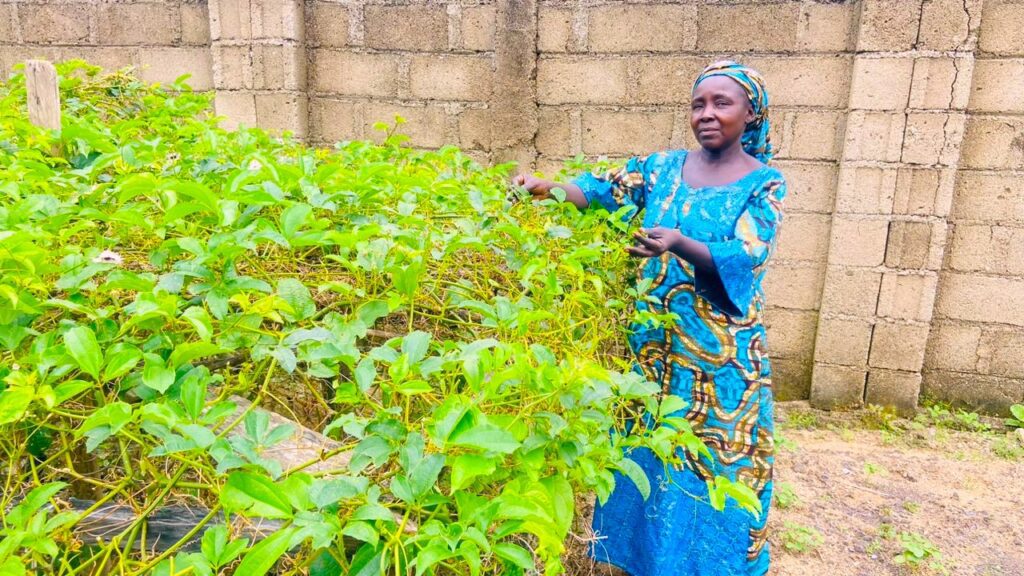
<point x="695" y="252"/>
<point x="573" y="193"/>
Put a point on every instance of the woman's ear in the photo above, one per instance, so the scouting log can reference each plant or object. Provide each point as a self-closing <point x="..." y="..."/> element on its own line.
<point x="750" y="114"/>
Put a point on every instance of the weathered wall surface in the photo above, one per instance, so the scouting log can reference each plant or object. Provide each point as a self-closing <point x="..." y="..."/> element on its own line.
<point x="898" y="123"/>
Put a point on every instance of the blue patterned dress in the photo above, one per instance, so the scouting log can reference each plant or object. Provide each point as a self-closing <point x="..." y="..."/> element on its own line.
<point x="715" y="357"/>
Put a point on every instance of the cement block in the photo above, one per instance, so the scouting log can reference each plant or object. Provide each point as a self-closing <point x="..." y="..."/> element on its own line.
<point x="230" y="20"/>
<point x="1002" y="28"/>
<point x="625" y="133"/>
<point x="327" y="24"/>
<point x="137" y="24"/>
<point x="991" y="394"/>
<point x="874" y="136"/>
<point x="941" y="83"/>
<point x="1001" y="352"/>
<point x="888" y="25"/>
<point x="881" y="83"/>
<point x="810" y="185"/>
<point x="865" y="189"/>
<point x="826" y="27"/>
<point x="915" y="245"/>
<point x="238" y="108"/>
<point x="989" y="197"/>
<point x="791" y="333"/>
<point x="997" y="86"/>
<point x="766" y="27"/>
<point x="985" y="248"/>
<point x="426" y="126"/>
<point x="820" y="81"/>
<point x="451" y="77"/>
<point x="837" y="387"/>
<point x="907" y="297"/>
<point x="664" y="79"/>
<point x="627" y="28"/>
<point x="851" y="291"/>
<point x="843" y="341"/>
<point x="232" y="67"/>
<point x="478" y="27"/>
<point x="334" y="120"/>
<point x="283" y="111"/>
<point x="165" y="64"/>
<point x="554" y="132"/>
<point x="953" y="346"/>
<point x="356" y="74"/>
<point x="932" y="138"/>
<point x="978" y="298"/>
<point x="195" y="24"/>
<point x="793" y="285"/>
<point x="898" y="346"/>
<point x="993" y="142"/>
<point x="408" y="27"/>
<point x="803" y="237"/>
<point x="858" y="241"/>
<point x="563" y="80"/>
<point x="278" y="19"/>
<point x="279" y="67"/>
<point x="949" y="24"/>
<point x="791" y="379"/>
<point x="893" y="389"/>
<point x="924" y="191"/>
<point x="8" y="24"/>
<point x="816" y="135"/>
<point x="554" y="27"/>
<point x="54" y="24"/>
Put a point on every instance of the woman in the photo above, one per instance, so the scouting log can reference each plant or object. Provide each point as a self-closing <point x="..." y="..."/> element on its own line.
<point x="710" y="225"/>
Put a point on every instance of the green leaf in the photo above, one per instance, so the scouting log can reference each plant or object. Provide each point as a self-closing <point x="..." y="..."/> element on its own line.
<point x="189" y="351"/>
<point x="158" y="377"/>
<point x="199" y="318"/>
<point x="14" y="402"/>
<point x="634" y="472"/>
<point x="120" y="360"/>
<point x="515" y="554"/>
<point x="297" y="296"/>
<point x="415" y="345"/>
<point x="486" y="437"/>
<point x="362" y="531"/>
<point x="255" y="494"/>
<point x="82" y="346"/>
<point x="469" y="466"/>
<point x="365" y="373"/>
<point x="262" y="557"/>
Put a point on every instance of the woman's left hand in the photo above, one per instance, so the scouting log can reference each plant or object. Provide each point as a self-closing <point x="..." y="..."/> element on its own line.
<point x="653" y="242"/>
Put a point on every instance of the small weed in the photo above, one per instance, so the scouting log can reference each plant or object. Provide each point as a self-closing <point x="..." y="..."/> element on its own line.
<point x="941" y="415"/>
<point x="800" y="539"/>
<point x="802" y="420"/>
<point x="886" y="531"/>
<point x="870" y="468"/>
<point x="1016" y="420"/>
<point x="783" y="443"/>
<point x="879" y="418"/>
<point x="917" y="552"/>
<point x="1008" y="448"/>
<point x="785" y="496"/>
<point x="912" y="507"/>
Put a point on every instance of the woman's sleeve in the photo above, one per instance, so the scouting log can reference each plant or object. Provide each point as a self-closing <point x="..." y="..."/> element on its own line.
<point x="618" y="188"/>
<point x="739" y="261"/>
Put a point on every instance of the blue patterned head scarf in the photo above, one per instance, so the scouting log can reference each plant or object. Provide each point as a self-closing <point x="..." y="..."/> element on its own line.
<point x="755" y="139"/>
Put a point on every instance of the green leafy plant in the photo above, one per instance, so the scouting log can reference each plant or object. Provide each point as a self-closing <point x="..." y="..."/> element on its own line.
<point x="799" y="539"/>
<point x="917" y="552"/>
<point x="464" y="347"/>
<point x="1016" y="419"/>
<point x="786" y="496"/>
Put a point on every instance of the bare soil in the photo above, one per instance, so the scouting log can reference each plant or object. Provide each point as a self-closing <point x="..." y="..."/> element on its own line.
<point x="867" y="485"/>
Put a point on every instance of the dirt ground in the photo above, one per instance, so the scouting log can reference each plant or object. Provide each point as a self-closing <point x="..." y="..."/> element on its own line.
<point x="854" y="492"/>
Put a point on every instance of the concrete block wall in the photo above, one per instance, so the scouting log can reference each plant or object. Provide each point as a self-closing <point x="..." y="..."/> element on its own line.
<point x="898" y="124"/>
<point x="163" y="39"/>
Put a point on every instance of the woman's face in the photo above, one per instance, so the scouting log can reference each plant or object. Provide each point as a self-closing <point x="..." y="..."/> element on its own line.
<point x="719" y="112"/>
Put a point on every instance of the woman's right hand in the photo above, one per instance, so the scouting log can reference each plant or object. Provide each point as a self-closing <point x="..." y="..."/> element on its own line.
<point x="539" y="188"/>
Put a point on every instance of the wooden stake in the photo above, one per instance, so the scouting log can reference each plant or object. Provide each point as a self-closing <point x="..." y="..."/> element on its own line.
<point x="43" y="95"/>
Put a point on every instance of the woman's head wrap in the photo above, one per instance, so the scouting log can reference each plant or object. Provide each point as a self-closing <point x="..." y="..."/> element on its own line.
<point x="755" y="138"/>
